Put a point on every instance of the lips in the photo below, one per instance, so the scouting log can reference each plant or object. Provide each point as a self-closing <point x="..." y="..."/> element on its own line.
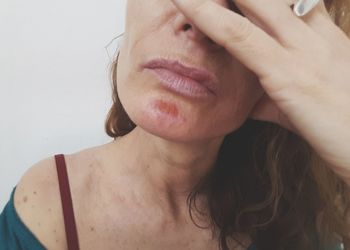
<point x="184" y="79"/>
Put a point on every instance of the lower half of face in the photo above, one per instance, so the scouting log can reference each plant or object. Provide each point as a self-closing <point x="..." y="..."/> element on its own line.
<point x="168" y="113"/>
<point x="179" y="112"/>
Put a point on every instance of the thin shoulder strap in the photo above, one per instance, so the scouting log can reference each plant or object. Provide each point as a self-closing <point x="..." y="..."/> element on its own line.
<point x="67" y="205"/>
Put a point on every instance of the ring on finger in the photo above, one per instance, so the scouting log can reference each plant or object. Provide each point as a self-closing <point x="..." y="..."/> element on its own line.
<point x="302" y="7"/>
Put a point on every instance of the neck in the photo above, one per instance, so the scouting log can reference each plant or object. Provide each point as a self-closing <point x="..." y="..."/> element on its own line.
<point x="169" y="169"/>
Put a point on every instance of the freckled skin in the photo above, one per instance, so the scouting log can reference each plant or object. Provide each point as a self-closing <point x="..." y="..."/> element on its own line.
<point x="167" y="107"/>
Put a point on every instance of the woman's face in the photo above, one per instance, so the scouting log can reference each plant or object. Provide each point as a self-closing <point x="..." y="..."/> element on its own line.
<point x="157" y="29"/>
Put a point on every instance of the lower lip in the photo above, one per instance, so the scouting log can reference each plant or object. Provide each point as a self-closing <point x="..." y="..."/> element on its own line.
<point x="181" y="84"/>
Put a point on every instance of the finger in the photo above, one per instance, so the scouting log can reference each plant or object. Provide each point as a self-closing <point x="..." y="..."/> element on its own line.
<point x="323" y="24"/>
<point x="267" y="110"/>
<point x="252" y="46"/>
<point x="278" y="19"/>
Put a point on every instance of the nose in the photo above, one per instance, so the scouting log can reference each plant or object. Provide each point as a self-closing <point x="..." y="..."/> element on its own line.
<point x="184" y="26"/>
<point x="187" y="28"/>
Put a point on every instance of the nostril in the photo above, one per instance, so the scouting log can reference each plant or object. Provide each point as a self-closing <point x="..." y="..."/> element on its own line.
<point x="186" y="27"/>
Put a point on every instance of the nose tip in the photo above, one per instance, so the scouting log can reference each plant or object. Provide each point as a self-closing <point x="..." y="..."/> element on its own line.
<point x="194" y="33"/>
<point x="185" y="26"/>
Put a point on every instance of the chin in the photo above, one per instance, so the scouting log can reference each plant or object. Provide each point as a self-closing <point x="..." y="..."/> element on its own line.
<point x="161" y="125"/>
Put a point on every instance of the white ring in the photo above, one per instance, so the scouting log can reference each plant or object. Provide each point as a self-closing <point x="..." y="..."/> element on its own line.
<point x="302" y="7"/>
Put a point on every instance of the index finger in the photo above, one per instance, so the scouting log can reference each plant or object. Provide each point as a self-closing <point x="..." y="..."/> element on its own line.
<point x="251" y="45"/>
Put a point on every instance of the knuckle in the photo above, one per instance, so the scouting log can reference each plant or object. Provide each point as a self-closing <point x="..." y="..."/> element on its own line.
<point x="240" y="32"/>
<point x="199" y="8"/>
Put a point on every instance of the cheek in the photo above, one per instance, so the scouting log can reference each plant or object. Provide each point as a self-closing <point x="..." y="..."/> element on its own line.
<point x="234" y="109"/>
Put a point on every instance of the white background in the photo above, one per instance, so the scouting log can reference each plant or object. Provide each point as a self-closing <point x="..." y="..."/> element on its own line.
<point x="54" y="83"/>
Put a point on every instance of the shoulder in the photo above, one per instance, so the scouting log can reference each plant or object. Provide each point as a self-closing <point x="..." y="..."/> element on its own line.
<point x="37" y="203"/>
<point x="37" y="198"/>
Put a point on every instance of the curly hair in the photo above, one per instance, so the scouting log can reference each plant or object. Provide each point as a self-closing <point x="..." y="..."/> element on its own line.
<point x="267" y="182"/>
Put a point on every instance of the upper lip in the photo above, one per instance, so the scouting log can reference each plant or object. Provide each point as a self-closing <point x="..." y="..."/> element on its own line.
<point x="202" y="76"/>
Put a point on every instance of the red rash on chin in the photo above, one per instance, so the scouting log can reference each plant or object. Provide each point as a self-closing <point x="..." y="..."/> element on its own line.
<point x="167" y="107"/>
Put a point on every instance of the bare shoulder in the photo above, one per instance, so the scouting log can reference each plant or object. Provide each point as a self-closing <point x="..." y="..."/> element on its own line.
<point x="37" y="202"/>
<point x="37" y="198"/>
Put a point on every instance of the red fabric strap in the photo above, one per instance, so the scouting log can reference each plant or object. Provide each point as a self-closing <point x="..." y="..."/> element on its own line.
<point x="67" y="205"/>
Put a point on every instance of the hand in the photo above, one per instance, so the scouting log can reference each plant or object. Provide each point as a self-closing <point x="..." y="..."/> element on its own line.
<point x="303" y="64"/>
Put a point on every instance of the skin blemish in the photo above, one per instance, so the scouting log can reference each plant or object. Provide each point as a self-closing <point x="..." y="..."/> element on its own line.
<point x="166" y="107"/>
<point x="34" y="192"/>
<point x="25" y="199"/>
<point x="92" y="229"/>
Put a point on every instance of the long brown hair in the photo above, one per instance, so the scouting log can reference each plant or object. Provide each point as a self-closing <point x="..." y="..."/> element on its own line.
<point x="267" y="182"/>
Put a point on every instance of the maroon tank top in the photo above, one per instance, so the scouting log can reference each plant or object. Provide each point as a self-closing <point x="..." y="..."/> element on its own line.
<point x="67" y="205"/>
